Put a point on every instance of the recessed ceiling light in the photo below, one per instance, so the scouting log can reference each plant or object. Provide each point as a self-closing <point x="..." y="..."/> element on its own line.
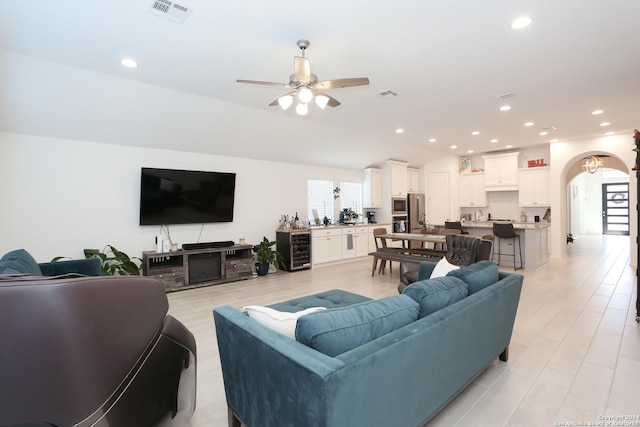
<point x="528" y="124"/>
<point x="432" y="140"/>
<point x="505" y="108"/>
<point x="493" y="141"/>
<point x="454" y="146"/>
<point x="520" y="23"/>
<point x="129" y="63"/>
<point x="475" y="133"/>
<point x="543" y="133"/>
<point x="605" y="124"/>
<point x="596" y="112"/>
<point x="399" y="130"/>
<point x="508" y="146"/>
<point x="469" y="151"/>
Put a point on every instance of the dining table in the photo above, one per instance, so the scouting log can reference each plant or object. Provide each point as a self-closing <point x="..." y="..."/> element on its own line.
<point x="415" y="237"/>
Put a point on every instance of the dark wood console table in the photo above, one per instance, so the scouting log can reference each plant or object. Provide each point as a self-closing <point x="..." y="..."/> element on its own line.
<point x="187" y="269"/>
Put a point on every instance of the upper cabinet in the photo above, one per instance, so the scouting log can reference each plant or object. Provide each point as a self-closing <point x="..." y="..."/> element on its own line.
<point x="472" y="193"/>
<point x="372" y="188"/>
<point x="413" y="180"/>
<point x="535" y="187"/>
<point x="398" y="177"/>
<point x="501" y="172"/>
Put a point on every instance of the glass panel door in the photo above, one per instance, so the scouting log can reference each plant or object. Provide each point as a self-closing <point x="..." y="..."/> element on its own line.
<point x="615" y="209"/>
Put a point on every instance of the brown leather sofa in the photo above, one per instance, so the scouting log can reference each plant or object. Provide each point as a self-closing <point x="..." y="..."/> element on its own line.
<point x="92" y="351"/>
<point x="461" y="250"/>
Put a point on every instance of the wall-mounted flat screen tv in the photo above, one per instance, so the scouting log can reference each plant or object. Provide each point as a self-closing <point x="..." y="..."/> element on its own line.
<point x="171" y="196"/>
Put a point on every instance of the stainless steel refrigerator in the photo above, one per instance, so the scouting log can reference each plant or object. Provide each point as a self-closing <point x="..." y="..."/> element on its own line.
<point x="416" y="212"/>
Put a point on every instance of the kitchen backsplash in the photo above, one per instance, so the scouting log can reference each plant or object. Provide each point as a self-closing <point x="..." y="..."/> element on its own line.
<point x="504" y="205"/>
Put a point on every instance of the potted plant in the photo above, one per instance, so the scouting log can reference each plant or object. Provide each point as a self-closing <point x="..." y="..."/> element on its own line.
<point x="265" y="255"/>
<point x="114" y="262"/>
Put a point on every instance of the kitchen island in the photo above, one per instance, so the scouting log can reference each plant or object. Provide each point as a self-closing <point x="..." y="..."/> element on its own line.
<point x="534" y="239"/>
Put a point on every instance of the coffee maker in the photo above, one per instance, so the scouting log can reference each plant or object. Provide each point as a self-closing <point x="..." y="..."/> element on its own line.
<point x="371" y="217"/>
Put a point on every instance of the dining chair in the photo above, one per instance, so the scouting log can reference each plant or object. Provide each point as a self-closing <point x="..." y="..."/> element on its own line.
<point x="446" y="231"/>
<point x="381" y="245"/>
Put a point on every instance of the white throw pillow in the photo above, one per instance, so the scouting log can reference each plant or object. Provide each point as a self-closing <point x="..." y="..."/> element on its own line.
<point x="442" y="268"/>
<point x="279" y="321"/>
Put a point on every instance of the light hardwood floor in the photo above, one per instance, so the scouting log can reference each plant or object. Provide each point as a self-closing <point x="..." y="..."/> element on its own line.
<point x="574" y="354"/>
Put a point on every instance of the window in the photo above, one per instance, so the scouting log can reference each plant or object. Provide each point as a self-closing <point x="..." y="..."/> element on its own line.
<point x="320" y="198"/>
<point x="351" y="196"/>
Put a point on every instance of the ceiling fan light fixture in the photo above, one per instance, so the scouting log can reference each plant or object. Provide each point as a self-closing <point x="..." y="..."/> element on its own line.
<point x="285" y="101"/>
<point x="321" y="101"/>
<point x="305" y="95"/>
<point x="302" y="109"/>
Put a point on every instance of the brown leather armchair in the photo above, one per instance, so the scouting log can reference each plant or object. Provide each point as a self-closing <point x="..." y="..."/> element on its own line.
<point x="92" y="351"/>
<point x="461" y="250"/>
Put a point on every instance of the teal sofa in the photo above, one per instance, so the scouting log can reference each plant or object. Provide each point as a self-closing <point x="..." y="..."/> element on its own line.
<point x="20" y="261"/>
<point x="399" y="375"/>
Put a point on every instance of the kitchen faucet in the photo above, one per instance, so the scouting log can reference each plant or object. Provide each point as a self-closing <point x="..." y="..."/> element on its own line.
<point x="478" y="216"/>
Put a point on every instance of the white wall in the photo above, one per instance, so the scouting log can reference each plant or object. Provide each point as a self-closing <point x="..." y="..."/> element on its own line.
<point x="61" y="196"/>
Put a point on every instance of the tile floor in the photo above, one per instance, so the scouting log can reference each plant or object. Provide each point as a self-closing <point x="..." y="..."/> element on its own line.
<point x="574" y="356"/>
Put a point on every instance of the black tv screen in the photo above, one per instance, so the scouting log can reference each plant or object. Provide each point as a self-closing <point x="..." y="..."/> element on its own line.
<point x="170" y="196"/>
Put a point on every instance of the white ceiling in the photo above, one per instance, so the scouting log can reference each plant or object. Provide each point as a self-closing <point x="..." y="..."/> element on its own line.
<point x="449" y="61"/>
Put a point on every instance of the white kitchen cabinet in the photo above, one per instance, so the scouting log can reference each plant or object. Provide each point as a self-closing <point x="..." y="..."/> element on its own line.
<point x="348" y="243"/>
<point x="371" y="239"/>
<point x="361" y="241"/>
<point x="398" y="178"/>
<point x="472" y="192"/>
<point x="534" y="187"/>
<point x="326" y="245"/>
<point x="372" y="188"/>
<point x="501" y="172"/>
<point x="413" y="180"/>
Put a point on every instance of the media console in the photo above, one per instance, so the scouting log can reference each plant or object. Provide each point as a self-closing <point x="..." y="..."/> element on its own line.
<point x="187" y="269"/>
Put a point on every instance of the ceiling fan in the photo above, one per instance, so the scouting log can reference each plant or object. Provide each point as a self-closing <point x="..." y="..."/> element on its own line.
<point x="306" y="86"/>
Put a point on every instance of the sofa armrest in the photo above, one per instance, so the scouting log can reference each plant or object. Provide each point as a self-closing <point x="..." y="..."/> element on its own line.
<point x="269" y="377"/>
<point x="88" y="267"/>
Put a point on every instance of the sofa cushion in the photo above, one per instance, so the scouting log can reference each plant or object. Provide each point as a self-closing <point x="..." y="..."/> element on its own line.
<point x="330" y="299"/>
<point x="434" y="294"/>
<point x="477" y="276"/>
<point x="338" y="330"/>
<point x="442" y="268"/>
<point x="279" y="321"/>
<point x="19" y="261"/>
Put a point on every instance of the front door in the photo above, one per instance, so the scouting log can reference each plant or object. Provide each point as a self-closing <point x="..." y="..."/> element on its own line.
<point x="615" y="209"/>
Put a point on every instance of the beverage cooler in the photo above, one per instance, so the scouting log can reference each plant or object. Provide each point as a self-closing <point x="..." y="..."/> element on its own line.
<point x="295" y="248"/>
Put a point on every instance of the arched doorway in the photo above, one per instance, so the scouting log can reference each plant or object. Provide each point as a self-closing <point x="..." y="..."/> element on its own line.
<point x="598" y="203"/>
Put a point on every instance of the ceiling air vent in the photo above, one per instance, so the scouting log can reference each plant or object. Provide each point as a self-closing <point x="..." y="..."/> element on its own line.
<point x="386" y="94"/>
<point x="507" y="96"/>
<point x="170" y="10"/>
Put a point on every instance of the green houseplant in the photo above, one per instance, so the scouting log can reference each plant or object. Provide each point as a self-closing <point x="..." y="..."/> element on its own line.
<point x="115" y="262"/>
<point x="265" y="255"/>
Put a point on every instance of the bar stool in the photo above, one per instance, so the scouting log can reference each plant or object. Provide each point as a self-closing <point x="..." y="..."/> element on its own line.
<point x="506" y="231"/>
<point x="454" y="225"/>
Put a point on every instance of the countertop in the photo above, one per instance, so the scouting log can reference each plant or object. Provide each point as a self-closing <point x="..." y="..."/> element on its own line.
<point x="359" y="224"/>
<point x="516" y="225"/>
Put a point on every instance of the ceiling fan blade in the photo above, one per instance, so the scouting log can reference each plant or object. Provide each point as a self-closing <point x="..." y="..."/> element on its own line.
<point x="302" y="69"/>
<point x="257" y="82"/>
<point x="332" y="101"/>
<point x="340" y="83"/>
